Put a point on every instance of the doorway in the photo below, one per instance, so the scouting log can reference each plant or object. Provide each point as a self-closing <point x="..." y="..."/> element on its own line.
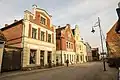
<point x="41" y="58"/>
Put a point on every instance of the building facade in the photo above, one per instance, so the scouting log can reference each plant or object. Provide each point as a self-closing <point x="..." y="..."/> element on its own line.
<point x="95" y="54"/>
<point x="36" y="35"/>
<point x="113" y="40"/>
<point x="65" y="45"/>
<point x="84" y="50"/>
<point x="89" y="51"/>
<point x="79" y="45"/>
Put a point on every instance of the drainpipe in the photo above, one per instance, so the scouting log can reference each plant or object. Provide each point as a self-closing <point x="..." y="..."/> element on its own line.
<point x="61" y="49"/>
<point x="23" y="36"/>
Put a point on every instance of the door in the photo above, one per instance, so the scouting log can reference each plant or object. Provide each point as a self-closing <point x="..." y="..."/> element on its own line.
<point x="41" y="58"/>
<point x="49" y="56"/>
<point x="11" y="60"/>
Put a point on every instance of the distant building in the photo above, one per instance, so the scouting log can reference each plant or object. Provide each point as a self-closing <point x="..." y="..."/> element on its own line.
<point x="95" y="54"/>
<point x="81" y="53"/>
<point x="89" y="52"/>
<point x="65" y="45"/>
<point x="79" y="47"/>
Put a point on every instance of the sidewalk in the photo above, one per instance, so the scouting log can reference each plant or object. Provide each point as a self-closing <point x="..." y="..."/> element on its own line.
<point x="15" y="73"/>
<point x="109" y="74"/>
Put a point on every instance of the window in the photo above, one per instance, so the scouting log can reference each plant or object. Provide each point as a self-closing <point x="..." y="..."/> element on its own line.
<point x="49" y="37"/>
<point x="42" y="35"/>
<point x="67" y="56"/>
<point x="67" y="44"/>
<point x="42" y="58"/>
<point x="64" y="57"/>
<point x="80" y="47"/>
<point x="71" y="46"/>
<point x="32" y="56"/>
<point x="34" y="31"/>
<point x="76" y="37"/>
<point x="42" y="20"/>
<point x="70" y="58"/>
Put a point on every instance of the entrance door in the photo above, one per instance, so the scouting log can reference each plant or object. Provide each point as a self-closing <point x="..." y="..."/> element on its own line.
<point x="41" y="58"/>
<point x="49" y="56"/>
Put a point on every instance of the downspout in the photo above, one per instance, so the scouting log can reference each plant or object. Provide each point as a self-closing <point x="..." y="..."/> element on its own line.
<point x="61" y="48"/>
<point x="23" y="36"/>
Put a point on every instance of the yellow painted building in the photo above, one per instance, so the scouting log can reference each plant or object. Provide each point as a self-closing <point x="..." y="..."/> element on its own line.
<point x="80" y="46"/>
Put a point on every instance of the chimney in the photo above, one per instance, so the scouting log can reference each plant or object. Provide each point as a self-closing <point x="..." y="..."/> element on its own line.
<point x="15" y="20"/>
<point x="67" y="24"/>
<point x="58" y="26"/>
<point x="6" y="25"/>
<point x="34" y="6"/>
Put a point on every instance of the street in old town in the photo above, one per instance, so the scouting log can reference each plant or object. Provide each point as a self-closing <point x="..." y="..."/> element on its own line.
<point x="86" y="71"/>
<point x="60" y="40"/>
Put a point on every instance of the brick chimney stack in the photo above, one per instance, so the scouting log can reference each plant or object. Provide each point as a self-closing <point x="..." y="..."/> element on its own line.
<point x="6" y="25"/>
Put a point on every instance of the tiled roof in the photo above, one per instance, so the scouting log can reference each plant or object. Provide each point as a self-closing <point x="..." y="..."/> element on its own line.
<point x="14" y="23"/>
<point x="61" y="28"/>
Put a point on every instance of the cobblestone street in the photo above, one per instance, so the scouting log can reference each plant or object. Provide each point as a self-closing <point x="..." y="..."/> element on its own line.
<point x="86" y="71"/>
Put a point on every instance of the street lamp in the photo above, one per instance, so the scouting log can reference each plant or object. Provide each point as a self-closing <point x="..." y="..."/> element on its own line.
<point x="97" y="24"/>
<point x="117" y="29"/>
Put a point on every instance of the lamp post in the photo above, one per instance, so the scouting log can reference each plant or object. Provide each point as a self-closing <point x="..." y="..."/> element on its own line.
<point x="100" y="30"/>
<point x="117" y="29"/>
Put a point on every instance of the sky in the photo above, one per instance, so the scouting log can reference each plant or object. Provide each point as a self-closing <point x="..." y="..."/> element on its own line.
<point x="83" y="13"/>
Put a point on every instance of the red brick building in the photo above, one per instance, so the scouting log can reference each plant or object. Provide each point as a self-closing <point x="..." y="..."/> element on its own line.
<point x="113" y="42"/>
<point x="65" y="45"/>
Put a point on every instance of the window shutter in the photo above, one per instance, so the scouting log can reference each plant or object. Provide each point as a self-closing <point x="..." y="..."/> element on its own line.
<point x="38" y="33"/>
<point x="30" y="29"/>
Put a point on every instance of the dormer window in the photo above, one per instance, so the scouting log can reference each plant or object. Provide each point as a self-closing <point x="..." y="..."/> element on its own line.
<point x="43" y="20"/>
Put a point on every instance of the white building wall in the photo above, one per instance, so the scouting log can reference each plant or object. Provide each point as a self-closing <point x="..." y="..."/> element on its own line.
<point x="58" y="53"/>
<point x="29" y="43"/>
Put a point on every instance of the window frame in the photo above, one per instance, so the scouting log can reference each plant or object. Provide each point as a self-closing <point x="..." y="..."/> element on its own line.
<point x="42" y="37"/>
<point x="32" y="56"/>
<point x="34" y="33"/>
<point x="43" y="20"/>
<point x="49" y="38"/>
<point x="67" y="44"/>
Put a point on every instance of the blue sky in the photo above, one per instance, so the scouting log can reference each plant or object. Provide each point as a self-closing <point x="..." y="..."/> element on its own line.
<point x="81" y="12"/>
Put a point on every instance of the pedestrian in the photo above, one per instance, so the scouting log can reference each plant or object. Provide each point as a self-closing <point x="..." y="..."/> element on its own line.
<point x="67" y="62"/>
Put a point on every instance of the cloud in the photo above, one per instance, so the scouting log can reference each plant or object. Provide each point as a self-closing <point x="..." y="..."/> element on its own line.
<point x="81" y="12"/>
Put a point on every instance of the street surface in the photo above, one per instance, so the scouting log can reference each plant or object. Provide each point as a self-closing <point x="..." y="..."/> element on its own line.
<point x="86" y="71"/>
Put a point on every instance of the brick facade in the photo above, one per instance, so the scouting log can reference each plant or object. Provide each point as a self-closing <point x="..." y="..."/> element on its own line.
<point x="13" y="34"/>
<point x="113" y="40"/>
<point x="37" y="15"/>
<point x="63" y="35"/>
